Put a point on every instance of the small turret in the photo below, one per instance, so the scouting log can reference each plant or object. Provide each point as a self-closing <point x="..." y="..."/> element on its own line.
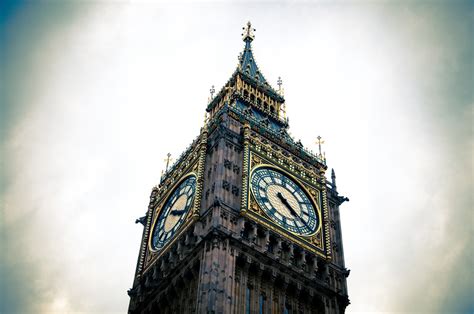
<point x="333" y="179"/>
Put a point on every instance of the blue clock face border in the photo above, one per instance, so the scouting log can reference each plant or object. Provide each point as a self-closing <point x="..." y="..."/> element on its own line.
<point x="285" y="201"/>
<point x="173" y="213"/>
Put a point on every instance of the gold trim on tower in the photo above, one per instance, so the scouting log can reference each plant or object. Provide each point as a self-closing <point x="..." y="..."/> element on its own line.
<point x="192" y="164"/>
<point x="159" y="208"/>
<point x="319" y="241"/>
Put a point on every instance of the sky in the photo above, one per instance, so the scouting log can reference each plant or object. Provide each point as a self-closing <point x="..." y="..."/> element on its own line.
<point x="94" y="94"/>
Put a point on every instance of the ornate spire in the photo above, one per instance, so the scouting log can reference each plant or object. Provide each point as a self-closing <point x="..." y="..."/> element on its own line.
<point x="245" y="78"/>
<point x="247" y="62"/>
<point x="248" y="32"/>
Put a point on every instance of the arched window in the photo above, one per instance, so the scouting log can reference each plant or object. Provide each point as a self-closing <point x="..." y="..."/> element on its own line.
<point x="252" y="97"/>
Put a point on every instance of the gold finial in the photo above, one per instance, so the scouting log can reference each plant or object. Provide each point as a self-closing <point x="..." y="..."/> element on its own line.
<point x="320" y="142"/>
<point x="248" y="32"/>
<point x="168" y="160"/>
<point x="280" y="83"/>
<point x="212" y="90"/>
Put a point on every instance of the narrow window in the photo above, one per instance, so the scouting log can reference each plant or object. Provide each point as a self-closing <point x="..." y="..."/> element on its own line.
<point x="287" y="307"/>
<point x="247" y="300"/>
<point x="261" y="303"/>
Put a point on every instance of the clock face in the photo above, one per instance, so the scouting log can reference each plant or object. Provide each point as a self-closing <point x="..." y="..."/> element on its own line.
<point x="284" y="201"/>
<point x="173" y="213"/>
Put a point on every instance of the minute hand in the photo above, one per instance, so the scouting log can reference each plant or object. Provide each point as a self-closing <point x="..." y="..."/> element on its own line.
<point x="285" y="202"/>
<point x="292" y="211"/>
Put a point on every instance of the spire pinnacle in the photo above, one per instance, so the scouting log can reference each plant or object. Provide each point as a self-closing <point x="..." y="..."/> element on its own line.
<point x="248" y="32"/>
<point x="168" y="160"/>
<point x="280" y="89"/>
<point x="320" y="142"/>
<point x="333" y="178"/>
<point x="279" y="83"/>
<point x="212" y="91"/>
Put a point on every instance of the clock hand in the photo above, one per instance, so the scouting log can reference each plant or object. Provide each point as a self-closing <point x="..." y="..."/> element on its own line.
<point x="178" y="212"/>
<point x="292" y="211"/>
<point x="285" y="202"/>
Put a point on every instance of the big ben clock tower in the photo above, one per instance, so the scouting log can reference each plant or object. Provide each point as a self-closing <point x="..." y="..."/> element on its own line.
<point x="245" y="221"/>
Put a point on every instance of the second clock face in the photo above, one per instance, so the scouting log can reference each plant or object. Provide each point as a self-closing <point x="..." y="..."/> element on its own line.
<point x="173" y="213"/>
<point x="284" y="201"/>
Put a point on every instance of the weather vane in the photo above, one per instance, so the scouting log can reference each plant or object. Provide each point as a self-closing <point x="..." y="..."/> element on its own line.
<point x="168" y="159"/>
<point x="248" y="32"/>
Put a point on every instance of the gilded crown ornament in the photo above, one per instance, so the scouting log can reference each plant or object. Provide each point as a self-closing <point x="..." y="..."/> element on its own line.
<point x="248" y="32"/>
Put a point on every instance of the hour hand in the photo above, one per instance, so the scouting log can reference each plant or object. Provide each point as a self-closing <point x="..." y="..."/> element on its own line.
<point x="285" y="202"/>
<point x="178" y="212"/>
<point x="292" y="211"/>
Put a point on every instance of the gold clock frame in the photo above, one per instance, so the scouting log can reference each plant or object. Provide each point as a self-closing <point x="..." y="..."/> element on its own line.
<point x="158" y="209"/>
<point x="255" y="155"/>
<point x="311" y="196"/>
<point x="192" y="163"/>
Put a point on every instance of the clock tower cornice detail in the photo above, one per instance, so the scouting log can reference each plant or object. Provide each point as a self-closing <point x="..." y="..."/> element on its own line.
<point x="244" y="220"/>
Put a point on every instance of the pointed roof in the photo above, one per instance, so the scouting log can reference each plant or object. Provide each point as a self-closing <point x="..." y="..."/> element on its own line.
<point x="247" y="62"/>
<point x="248" y="70"/>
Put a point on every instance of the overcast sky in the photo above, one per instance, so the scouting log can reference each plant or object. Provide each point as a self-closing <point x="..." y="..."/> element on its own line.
<point x="94" y="94"/>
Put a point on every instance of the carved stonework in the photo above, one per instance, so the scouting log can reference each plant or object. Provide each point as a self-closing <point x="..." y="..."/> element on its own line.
<point x="254" y="206"/>
<point x="255" y="161"/>
<point x="240" y="246"/>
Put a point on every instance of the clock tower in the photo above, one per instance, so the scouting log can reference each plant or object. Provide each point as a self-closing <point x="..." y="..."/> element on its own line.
<point x="245" y="221"/>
